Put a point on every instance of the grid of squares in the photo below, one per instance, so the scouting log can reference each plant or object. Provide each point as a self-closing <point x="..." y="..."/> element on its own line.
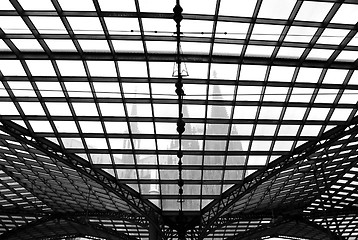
<point x="95" y="77"/>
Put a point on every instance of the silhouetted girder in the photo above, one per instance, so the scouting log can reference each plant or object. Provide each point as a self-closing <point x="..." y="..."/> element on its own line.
<point x="328" y="213"/>
<point x="283" y="220"/>
<point x="132" y="198"/>
<point x="168" y="57"/>
<point x="16" y="232"/>
<point x="131" y="218"/>
<point x="215" y="209"/>
<point x="13" y="232"/>
<point x="107" y="230"/>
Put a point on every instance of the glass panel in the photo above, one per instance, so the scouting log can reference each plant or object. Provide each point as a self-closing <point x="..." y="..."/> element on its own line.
<point x="94" y="45"/>
<point x="27" y="45"/>
<point x="22" y="89"/>
<point x="114" y="5"/>
<point x="66" y="126"/>
<point x="341" y="114"/>
<point x="107" y="89"/>
<point x="198" y="6"/>
<point x="142" y="127"/>
<point x="290" y="52"/>
<point x="32" y="108"/>
<point x="326" y="96"/>
<point x="335" y="76"/>
<point x="197" y="70"/>
<point x="58" y="109"/>
<point x="13" y="24"/>
<point x="41" y="126"/>
<point x="161" y="46"/>
<point x="119" y="26"/>
<point x="276" y="9"/>
<point x="128" y="46"/>
<point x="300" y="34"/>
<point x="275" y="94"/>
<point x="248" y="93"/>
<point x="227" y="49"/>
<point x="281" y="74"/>
<point x="261" y="51"/>
<point x="60" y="45"/>
<point x="157" y="69"/>
<point x="78" y="89"/>
<point x="308" y="11"/>
<point x="6" y="5"/>
<point x="41" y="67"/>
<point x="162" y="6"/>
<point x="257" y="160"/>
<point x="91" y="127"/>
<point x="310" y="130"/>
<point x="224" y="71"/>
<point x="85" y="25"/>
<point x="332" y="36"/>
<point x="102" y="68"/>
<point x="219" y="112"/>
<point x="231" y="30"/>
<point x="260" y="145"/>
<point x="71" y="68"/>
<point x="253" y="72"/>
<point x="241" y="9"/>
<point x="270" y="112"/>
<point x="241" y="129"/>
<point x="132" y="69"/>
<point x="193" y="47"/>
<point x="11" y="68"/>
<point x="288" y="130"/>
<point x="139" y="110"/>
<point x="3" y="46"/>
<point x="196" y="28"/>
<point x="136" y="90"/>
<point x="78" y="5"/>
<point x="283" y="146"/>
<point x="221" y="92"/>
<point x="245" y="112"/>
<point x="265" y="130"/>
<point x="36" y="5"/>
<point x="320" y="54"/>
<point x="48" y="25"/>
<point x="308" y="75"/>
<point x="349" y="56"/>
<point x="266" y="32"/>
<point x="116" y="127"/>
<point x="165" y="110"/>
<point x="85" y="109"/>
<point x="8" y="108"/>
<point x="165" y="91"/>
<point x="294" y="113"/>
<point x="318" y="114"/>
<point x="346" y="14"/>
<point x="112" y="109"/>
<point x="159" y="26"/>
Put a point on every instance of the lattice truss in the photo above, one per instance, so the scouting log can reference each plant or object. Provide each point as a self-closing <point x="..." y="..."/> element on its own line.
<point x="88" y="115"/>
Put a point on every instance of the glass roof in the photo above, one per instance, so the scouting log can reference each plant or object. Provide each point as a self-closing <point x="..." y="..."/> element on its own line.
<point x="96" y="78"/>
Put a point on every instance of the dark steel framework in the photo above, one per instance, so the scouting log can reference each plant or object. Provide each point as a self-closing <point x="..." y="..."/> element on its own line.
<point x="87" y="134"/>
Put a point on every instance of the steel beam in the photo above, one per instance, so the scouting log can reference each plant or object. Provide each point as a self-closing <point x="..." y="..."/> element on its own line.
<point x="132" y="198"/>
<point x="168" y="57"/>
<point x="212" y="212"/>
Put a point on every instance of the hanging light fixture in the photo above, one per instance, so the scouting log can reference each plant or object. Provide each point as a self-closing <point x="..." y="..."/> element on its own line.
<point x="180" y="221"/>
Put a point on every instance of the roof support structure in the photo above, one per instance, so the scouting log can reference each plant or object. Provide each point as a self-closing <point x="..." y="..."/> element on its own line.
<point x="213" y="211"/>
<point x="167" y="57"/>
<point x="144" y="207"/>
<point x="286" y="219"/>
